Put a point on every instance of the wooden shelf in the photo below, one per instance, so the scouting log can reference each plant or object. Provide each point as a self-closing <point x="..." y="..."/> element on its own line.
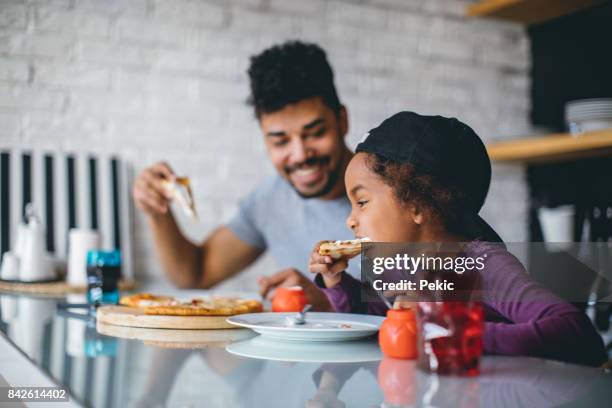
<point x="553" y="148"/>
<point x="528" y="11"/>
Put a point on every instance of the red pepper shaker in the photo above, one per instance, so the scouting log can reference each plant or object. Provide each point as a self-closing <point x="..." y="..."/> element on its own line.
<point x="398" y="334"/>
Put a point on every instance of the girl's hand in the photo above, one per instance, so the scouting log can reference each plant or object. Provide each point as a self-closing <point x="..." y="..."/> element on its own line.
<point x="331" y="269"/>
<point x="293" y="277"/>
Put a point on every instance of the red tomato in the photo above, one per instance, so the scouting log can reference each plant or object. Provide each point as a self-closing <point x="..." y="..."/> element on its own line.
<point x="397" y="336"/>
<point x="289" y="299"/>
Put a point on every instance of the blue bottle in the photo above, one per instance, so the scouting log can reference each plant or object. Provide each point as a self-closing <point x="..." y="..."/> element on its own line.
<point x="103" y="273"/>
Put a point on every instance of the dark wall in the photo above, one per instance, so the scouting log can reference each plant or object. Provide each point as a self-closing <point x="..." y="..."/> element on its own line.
<point x="572" y="59"/>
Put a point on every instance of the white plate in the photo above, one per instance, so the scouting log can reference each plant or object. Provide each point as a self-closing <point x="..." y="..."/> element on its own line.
<point x="579" y="103"/>
<point x="594" y="125"/>
<point x="588" y="115"/>
<point x="318" y="352"/>
<point x="318" y="326"/>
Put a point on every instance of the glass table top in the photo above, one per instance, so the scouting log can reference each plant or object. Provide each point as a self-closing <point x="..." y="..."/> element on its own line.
<point x="112" y="366"/>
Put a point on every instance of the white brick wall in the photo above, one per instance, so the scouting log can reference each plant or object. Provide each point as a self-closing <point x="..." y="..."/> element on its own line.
<point x="165" y="79"/>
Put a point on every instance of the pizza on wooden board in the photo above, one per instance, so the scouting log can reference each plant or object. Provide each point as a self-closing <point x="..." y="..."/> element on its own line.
<point x="169" y="306"/>
<point x="339" y="249"/>
<point x="145" y="299"/>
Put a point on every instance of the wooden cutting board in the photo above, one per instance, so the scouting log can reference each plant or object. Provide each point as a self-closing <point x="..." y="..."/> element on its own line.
<point x="135" y="317"/>
<point x="53" y="289"/>
<point x="172" y="338"/>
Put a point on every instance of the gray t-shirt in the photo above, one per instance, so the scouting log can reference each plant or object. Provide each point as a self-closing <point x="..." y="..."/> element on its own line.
<point x="275" y="218"/>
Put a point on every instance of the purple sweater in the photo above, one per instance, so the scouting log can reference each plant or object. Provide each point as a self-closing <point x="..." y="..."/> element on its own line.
<point x="521" y="317"/>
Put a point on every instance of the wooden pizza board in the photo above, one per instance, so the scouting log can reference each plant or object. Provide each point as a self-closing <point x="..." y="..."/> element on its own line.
<point x="135" y="317"/>
<point x="53" y="289"/>
<point x="172" y="338"/>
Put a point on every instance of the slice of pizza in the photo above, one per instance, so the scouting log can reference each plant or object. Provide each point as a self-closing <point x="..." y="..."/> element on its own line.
<point x="146" y="299"/>
<point x="339" y="249"/>
<point x="207" y="307"/>
<point x="180" y="190"/>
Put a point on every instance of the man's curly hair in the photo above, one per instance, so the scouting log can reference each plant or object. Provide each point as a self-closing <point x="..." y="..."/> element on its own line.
<point x="288" y="73"/>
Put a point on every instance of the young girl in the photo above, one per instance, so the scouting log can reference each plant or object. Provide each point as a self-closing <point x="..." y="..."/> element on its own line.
<point x="423" y="179"/>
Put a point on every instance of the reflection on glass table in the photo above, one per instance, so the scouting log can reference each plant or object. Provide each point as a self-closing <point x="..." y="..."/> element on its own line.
<point x="264" y="348"/>
<point x="122" y="367"/>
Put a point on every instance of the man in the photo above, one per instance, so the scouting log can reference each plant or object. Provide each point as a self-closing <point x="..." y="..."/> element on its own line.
<point x="304" y="126"/>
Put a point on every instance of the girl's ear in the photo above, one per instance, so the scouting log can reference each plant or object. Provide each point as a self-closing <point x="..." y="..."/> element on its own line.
<point x="416" y="214"/>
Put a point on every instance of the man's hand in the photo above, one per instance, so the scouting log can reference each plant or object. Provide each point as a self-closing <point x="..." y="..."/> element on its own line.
<point x="149" y="194"/>
<point x="292" y="277"/>
<point x="330" y="268"/>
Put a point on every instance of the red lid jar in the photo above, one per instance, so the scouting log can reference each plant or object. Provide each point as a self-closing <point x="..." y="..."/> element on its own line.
<point x="289" y="299"/>
<point x="397" y="336"/>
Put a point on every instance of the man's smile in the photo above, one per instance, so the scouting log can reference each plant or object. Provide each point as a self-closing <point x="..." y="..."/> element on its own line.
<point x="309" y="173"/>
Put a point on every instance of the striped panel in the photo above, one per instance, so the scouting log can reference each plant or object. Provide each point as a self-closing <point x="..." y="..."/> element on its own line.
<point x="105" y="207"/>
<point x="125" y="209"/>
<point x="37" y="180"/>
<point x="71" y="192"/>
<point x="26" y="181"/>
<point x="83" y="206"/>
<point x="115" y="196"/>
<point x="93" y="193"/>
<point x="60" y="199"/>
<point x="15" y="196"/>
<point x="49" y="218"/>
<point x="67" y="191"/>
<point x="5" y="214"/>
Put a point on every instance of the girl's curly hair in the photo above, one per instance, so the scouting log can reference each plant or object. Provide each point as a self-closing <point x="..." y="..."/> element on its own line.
<point x="442" y="202"/>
